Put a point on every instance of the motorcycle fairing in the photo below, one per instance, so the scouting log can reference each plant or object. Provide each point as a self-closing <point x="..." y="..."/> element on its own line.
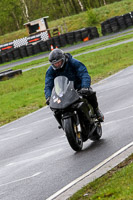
<point x="63" y="93"/>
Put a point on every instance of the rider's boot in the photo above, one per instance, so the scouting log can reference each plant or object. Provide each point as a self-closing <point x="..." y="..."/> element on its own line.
<point x="99" y="115"/>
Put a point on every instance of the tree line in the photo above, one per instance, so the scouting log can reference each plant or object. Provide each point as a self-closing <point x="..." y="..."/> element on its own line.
<point x="14" y="13"/>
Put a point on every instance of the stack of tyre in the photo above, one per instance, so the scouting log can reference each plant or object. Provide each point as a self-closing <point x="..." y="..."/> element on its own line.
<point x="117" y="23"/>
<point x="62" y="39"/>
<point x="72" y="37"/>
<point x="128" y="19"/>
<point x="106" y="27"/>
<point x="43" y="46"/>
<point x="5" y="75"/>
<point x="121" y="22"/>
<point x="132" y="16"/>
<point x="93" y="33"/>
<point x="23" y="51"/>
<point x="114" y="24"/>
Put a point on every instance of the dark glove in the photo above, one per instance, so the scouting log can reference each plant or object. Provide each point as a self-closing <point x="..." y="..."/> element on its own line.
<point x="83" y="91"/>
<point x="48" y="100"/>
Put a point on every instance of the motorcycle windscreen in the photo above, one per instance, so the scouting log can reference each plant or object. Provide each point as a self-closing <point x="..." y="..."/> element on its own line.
<point x="63" y="93"/>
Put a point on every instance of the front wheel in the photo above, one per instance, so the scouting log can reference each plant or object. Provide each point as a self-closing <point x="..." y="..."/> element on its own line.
<point x="97" y="133"/>
<point x="74" y="138"/>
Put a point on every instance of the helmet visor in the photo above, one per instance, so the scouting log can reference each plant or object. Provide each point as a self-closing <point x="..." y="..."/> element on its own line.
<point x="57" y="64"/>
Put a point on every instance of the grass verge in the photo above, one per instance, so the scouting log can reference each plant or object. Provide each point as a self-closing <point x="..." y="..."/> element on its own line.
<point x="116" y="184"/>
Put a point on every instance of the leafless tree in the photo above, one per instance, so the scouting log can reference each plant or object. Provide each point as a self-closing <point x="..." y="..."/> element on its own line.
<point x="25" y="10"/>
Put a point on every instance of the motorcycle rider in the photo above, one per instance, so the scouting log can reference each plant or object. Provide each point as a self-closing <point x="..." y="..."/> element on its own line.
<point x="63" y="64"/>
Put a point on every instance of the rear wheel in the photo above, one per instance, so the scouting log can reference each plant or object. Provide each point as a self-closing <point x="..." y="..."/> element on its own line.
<point x="97" y="133"/>
<point x="73" y="136"/>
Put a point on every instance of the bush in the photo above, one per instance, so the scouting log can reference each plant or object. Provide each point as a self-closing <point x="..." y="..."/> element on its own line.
<point x="92" y="17"/>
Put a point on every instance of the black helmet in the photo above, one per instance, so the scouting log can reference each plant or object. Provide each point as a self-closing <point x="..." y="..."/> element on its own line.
<point x="57" y="58"/>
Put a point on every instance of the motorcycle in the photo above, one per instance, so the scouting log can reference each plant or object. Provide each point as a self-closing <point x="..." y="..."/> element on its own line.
<point x="74" y="114"/>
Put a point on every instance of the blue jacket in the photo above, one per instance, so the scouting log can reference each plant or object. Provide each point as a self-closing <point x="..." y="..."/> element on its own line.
<point x="74" y="70"/>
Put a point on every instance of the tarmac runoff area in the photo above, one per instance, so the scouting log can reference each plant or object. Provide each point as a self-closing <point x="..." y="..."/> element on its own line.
<point x="93" y="174"/>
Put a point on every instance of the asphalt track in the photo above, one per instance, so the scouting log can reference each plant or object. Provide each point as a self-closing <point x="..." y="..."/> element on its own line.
<point x="36" y="160"/>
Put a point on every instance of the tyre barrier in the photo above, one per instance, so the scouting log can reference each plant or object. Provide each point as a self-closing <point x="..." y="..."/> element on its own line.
<point x="63" y="41"/>
<point x="106" y="28"/>
<point x="3" y="57"/>
<point x="70" y="37"/>
<point x="10" y="55"/>
<point x="90" y="32"/>
<point x="9" y="70"/>
<point x="29" y="50"/>
<point x="56" y="42"/>
<point x="117" y="23"/>
<point x="128" y="19"/>
<point x="36" y="48"/>
<point x="77" y="35"/>
<point x="16" y="54"/>
<point x="114" y="24"/>
<point x="5" y="75"/>
<point x="111" y="25"/>
<point x="94" y="32"/>
<point x="49" y="43"/>
<point x="23" y="51"/>
<point x="132" y="16"/>
<point x="42" y="46"/>
<point x="84" y="33"/>
<point x="121" y="22"/>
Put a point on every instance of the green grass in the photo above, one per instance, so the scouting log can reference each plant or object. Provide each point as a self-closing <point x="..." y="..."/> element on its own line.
<point x="79" y="21"/>
<point x="102" y="44"/>
<point x="117" y="184"/>
<point x="32" y="63"/>
<point x="21" y="95"/>
<point x="24" y="94"/>
<point x="108" y="61"/>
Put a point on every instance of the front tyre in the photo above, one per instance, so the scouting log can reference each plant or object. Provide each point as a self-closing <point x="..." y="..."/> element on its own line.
<point x="74" y="138"/>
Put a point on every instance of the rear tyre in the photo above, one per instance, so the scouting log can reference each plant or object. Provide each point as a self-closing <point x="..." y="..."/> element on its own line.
<point x="74" y="138"/>
<point x="97" y="133"/>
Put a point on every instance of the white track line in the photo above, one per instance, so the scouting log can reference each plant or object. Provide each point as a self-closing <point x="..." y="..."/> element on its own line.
<point x="105" y="47"/>
<point x="22" y="179"/>
<point x="35" y="158"/>
<point x="127" y="107"/>
<point x="112" y="88"/>
<point x="119" y="120"/>
<point x="12" y="137"/>
<point x="30" y="124"/>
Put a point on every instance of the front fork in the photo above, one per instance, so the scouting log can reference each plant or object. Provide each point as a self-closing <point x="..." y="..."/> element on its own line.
<point x="79" y="129"/>
<point x="76" y="123"/>
<point x="74" y="115"/>
<point x="58" y="118"/>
